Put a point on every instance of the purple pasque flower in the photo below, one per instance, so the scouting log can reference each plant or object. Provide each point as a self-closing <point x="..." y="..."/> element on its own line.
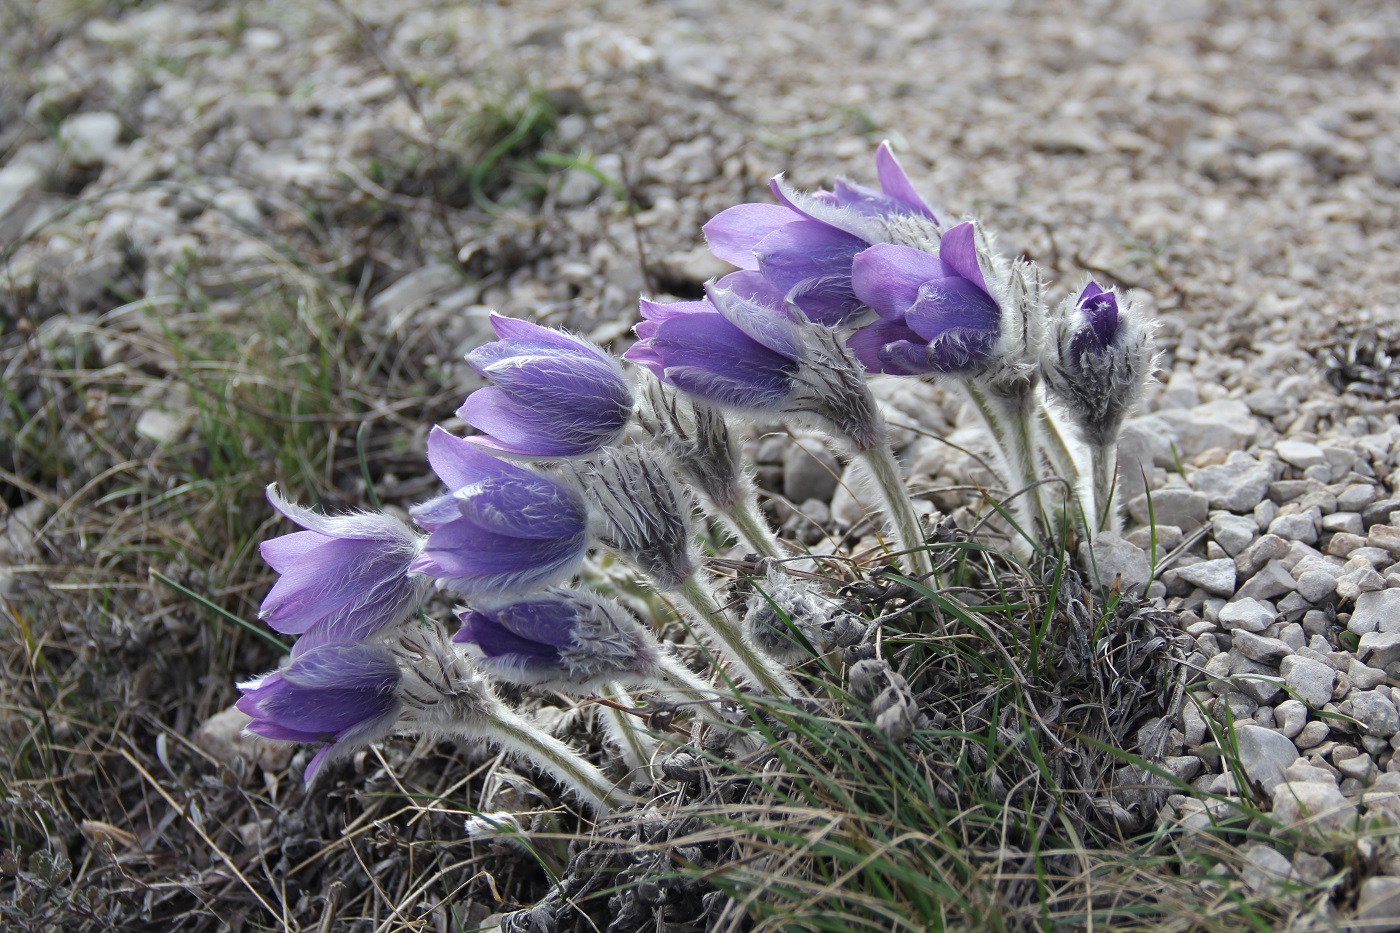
<point x="502" y="530"/>
<point x="804" y="245"/>
<point x="551" y="394"/>
<point x="345" y="579"/>
<point x="746" y="348"/>
<point x="567" y="639"/>
<point x="342" y="695"/>
<point x="937" y="313"/>
<point x="1098" y="360"/>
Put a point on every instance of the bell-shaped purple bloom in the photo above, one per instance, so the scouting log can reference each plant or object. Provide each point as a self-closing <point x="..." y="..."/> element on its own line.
<point x="568" y="639"/>
<point x="503" y="530"/>
<point x="1098" y="361"/>
<point x="804" y="246"/>
<point x="738" y="348"/>
<point x="937" y="314"/>
<point x="345" y="579"/>
<point x="745" y="348"/>
<point x="551" y="394"/>
<point x="344" y="696"/>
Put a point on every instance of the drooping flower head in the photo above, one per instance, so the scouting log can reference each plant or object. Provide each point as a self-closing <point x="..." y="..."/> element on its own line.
<point x="551" y="394"/>
<point x="804" y="245"/>
<point x="502" y="530"/>
<point x="937" y="312"/>
<point x="341" y="695"/>
<point x="570" y="640"/>
<point x="640" y="512"/>
<point x="345" y="579"/>
<point x="1098" y="360"/>
<point x="748" y="349"/>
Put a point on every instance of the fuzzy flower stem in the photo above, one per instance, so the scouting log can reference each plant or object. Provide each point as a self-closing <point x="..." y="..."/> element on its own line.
<point x="680" y="685"/>
<point x="1008" y="421"/>
<point x="637" y="747"/>
<point x="744" y="520"/>
<point x="522" y="737"/>
<point x="752" y="665"/>
<point x="1107" y="516"/>
<point x="1052" y="442"/>
<point x="889" y="483"/>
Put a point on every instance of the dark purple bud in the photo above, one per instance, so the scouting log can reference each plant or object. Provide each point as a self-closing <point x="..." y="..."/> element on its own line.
<point x="342" y="695"/>
<point x="504" y="530"/>
<point x="344" y="579"/>
<point x="567" y="639"/>
<point x="552" y="394"/>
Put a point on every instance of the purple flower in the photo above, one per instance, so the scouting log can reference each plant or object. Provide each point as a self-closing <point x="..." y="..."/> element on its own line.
<point x="743" y="348"/>
<point x="1098" y="361"/>
<point x="937" y="314"/>
<point x="804" y="246"/>
<point x="568" y="639"/>
<point x="344" y="696"/>
<point x="739" y="347"/>
<point x="345" y="579"/>
<point x="503" y="530"/>
<point x="552" y="394"/>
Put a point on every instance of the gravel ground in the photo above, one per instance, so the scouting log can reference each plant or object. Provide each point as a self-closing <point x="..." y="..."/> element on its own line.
<point x="1236" y="163"/>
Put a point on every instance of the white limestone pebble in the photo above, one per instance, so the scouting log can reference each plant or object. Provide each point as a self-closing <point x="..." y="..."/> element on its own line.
<point x="1308" y="680"/>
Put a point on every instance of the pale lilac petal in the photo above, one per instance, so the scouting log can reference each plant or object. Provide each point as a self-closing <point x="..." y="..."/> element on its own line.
<point x="732" y="234"/>
<point x="367" y="525"/>
<point x="950" y="304"/>
<point x="870" y="345"/>
<point x="806" y="250"/>
<point x="770" y="326"/>
<point x="531" y="509"/>
<point x="895" y="183"/>
<point x="887" y="277"/>
<point x="458" y="462"/>
<point x="284" y="552"/>
<point x="958" y="251"/>
<point x="514" y="328"/>
<point x="826" y="210"/>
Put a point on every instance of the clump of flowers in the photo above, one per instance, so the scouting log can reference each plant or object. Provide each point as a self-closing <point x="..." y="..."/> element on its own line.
<point x="576" y="452"/>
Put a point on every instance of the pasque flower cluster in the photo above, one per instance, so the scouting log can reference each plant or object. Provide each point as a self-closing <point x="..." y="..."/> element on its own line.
<point x="573" y="451"/>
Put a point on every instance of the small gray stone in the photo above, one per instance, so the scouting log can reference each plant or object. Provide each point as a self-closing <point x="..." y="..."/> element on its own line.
<point x="1225" y="423"/>
<point x="1267" y="548"/>
<point x="1356" y="497"/>
<point x="1291" y="716"/>
<point x="1273" y="580"/>
<point x="89" y="138"/>
<point x="1378" y="610"/>
<point x="1315" y="806"/>
<point x="1112" y="556"/>
<point x="1264" y="754"/>
<point x="1185" y="508"/>
<point x="1234" y="533"/>
<point x="1343" y="543"/>
<point x="1363" y="676"/>
<point x="810" y="471"/>
<point x="1295" y="527"/>
<point x="1375" y="710"/>
<point x="1308" y="680"/>
<point x="1378" y="513"/>
<point x="1358" y="767"/>
<point x="1379" y="649"/>
<point x="1316" y="585"/>
<point x="1300" y="454"/>
<point x="1313" y="734"/>
<point x="1386" y="537"/>
<point x="1359" y="579"/>
<point x="1348" y="522"/>
<point x="1378" y="904"/>
<point x="1265" y="869"/>
<point x="1237" y="485"/>
<point x="1216" y="577"/>
<point x="1258" y="648"/>
<point x="1248" y="614"/>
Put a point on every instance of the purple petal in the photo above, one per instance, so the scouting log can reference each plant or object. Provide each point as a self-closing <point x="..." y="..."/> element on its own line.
<point x="359" y="525"/>
<point x="958" y="251"/>
<point x="755" y="391"/>
<point x="516" y="329"/>
<point x="462" y="549"/>
<point x="545" y="618"/>
<point x="732" y="234"/>
<point x="804" y="250"/>
<point x="1100" y="309"/>
<point x="712" y="343"/>
<point x="960" y="350"/>
<point x="458" y="462"/>
<point x="769" y="325"/>
<point x="895" y="183"/>
<point x="951" y="304"/>
<point x="827" y="301"/>
<point x="828" y="211"/>
<point x="538" y="508"/>
<point x="287" y="551"/>
<point x="495" y="639"/>
<point x="337" y="572"/>
<point x="887" y="277"/>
